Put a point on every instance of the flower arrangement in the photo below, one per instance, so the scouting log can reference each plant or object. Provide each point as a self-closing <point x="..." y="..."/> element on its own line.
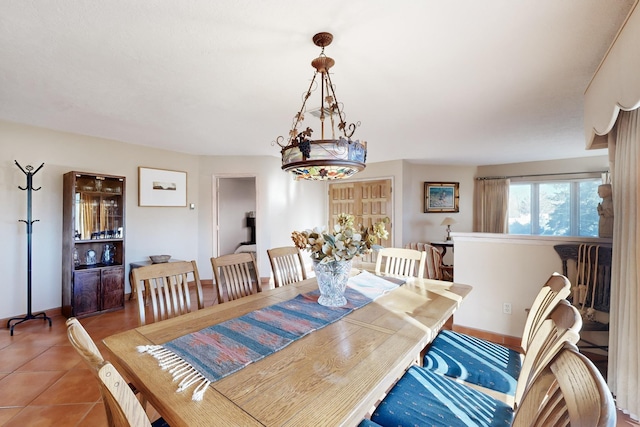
<point x="345" y="241"/>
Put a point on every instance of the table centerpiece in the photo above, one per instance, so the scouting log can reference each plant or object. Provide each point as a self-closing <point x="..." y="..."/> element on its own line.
<point x="333" y="251"/>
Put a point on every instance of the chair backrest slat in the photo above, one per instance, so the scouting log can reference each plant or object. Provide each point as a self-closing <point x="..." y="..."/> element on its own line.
<point x="287" y="265"/>
<point x="568" y="391"/>
<point x="167" y="286"/>
<point x="554" y="290"/>
<point x="400" y="262"/>
<point x="82" y="342"/>
<point x="563" y="326"/>
<point x="122" y="407"/>
<point x="126" y="409"/>
<point x="235" y="275"/>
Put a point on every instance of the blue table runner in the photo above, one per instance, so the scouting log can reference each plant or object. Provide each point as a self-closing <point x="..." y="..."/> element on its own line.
<point x="216" y="351"/>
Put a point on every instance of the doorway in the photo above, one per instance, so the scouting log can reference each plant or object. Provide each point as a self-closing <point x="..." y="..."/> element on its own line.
<point x="235" y="214"/>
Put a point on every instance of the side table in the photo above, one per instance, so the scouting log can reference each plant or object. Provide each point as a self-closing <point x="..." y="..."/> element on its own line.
<point x="442" y="246"/>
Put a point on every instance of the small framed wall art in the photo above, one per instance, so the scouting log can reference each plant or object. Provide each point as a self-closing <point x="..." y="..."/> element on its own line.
<point x="160" y="187"/>
<point x="441" y="196"/>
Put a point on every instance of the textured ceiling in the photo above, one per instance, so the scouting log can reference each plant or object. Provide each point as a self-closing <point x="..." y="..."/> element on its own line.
<point x="449" y="82"/>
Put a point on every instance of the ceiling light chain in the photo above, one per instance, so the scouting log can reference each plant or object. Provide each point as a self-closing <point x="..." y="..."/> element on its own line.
<point x="336" y="106"/>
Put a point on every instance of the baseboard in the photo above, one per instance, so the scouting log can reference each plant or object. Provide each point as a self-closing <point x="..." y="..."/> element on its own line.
<point x="50" y="312"/>
<point x="57" y="311"/>
<point x="505" y="340"/>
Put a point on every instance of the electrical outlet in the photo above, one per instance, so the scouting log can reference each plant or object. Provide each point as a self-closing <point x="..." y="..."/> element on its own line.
<point x="506" y="308"/>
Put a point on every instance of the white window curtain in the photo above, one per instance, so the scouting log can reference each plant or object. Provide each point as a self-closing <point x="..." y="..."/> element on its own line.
<point x="491" y="210"/>
<point x="624" y="336"/>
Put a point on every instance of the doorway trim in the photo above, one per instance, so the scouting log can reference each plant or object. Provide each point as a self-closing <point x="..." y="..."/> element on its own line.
<point x="215" y="238"/>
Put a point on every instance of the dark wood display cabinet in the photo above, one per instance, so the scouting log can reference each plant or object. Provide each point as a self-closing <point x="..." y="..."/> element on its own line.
<point x="92" y="243"/>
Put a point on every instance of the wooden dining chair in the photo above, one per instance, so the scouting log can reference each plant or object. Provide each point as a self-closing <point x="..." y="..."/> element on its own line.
<point x="166" y="286"/>
<point x="455" y="354"/>
<point x="287" y="265"/>
<point x="401" y="262"/>
<point x="569" y="390"/>
<point x="122" y="407"/>
<point x="434" y="267"/>
<point x="235" y="275"/>
<point x="559" y="330"/>
<point x="82" y="342"/>
<point x="563" y="326"/>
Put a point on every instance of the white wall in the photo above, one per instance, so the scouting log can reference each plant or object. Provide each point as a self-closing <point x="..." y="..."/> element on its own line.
<point x="183" y="233"/>
<point x="425" y="227"/>
<point x="149" y="230"/>
<point x="411" y="223"/>
<point x="504" y="268"/>
<point x="283" y="205"/>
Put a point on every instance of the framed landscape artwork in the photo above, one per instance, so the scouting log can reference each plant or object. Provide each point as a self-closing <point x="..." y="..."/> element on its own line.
<point x="160" y="187"/>
<point x="441" y="196"/>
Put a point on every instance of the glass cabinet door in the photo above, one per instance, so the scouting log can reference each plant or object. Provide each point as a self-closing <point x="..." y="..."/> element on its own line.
<point x="98" y="204"/>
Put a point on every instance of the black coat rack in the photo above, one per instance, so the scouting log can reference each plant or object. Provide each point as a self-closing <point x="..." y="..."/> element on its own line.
<point x="29" y="188"/>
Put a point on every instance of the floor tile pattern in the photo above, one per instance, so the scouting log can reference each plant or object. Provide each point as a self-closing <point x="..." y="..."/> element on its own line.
<point x="44" y="382"/>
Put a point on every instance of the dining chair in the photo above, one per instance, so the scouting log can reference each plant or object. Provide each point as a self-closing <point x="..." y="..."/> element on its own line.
<point x="123" y="409"/>
<point x="563" y="326"/>
<point x="434" y="268"/>
<point x="560" y="329"/>
<point x="166" y="285"/>
<point x="401" y="262"/>
<point x="121" y="405"/>
<point x="82" y="342"/>
<point x="287" y="265"/>
<point x="569" y="390"/>
<point x="572" y="391"/>
<point x="455" y="354"/>
<point x="236" y="276"/>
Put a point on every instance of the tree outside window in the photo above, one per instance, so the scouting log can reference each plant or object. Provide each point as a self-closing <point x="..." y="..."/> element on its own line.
<point x="554" y="208"/>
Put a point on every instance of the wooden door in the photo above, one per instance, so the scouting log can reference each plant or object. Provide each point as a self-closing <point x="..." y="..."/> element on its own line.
<point x="86" y="290"/>
<point x="112" y="288"/>
<point x="368" y="201"/>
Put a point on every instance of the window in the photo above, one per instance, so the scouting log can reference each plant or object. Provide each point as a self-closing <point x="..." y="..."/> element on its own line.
<point x="554" y="208"/>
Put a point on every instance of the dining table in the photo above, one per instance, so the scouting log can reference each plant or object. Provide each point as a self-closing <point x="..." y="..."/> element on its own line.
<point x="331" y="377"/>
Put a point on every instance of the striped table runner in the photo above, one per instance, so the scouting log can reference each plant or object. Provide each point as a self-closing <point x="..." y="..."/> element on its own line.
<point x="214" y="352"/>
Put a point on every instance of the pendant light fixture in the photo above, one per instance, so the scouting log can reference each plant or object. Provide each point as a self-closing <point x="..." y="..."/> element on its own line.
<point x="328" y="157"/>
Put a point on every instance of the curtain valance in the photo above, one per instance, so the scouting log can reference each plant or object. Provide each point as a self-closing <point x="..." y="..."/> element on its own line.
<point x="616" y="84"/>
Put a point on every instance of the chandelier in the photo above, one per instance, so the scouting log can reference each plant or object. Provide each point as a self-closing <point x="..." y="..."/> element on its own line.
<point x="325" y="158"/>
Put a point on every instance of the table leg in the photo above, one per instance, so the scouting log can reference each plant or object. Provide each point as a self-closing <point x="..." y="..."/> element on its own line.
<point x="134" y="289"/>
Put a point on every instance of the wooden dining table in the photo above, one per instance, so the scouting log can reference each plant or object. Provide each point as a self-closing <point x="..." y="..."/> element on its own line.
<point x="330" y="377"/>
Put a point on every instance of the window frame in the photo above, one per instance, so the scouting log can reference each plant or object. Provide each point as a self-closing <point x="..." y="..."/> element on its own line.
<point x="574" y="200"/>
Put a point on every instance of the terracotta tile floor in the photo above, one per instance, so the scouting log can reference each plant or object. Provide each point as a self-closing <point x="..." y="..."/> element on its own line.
<point x="44" y="382"/>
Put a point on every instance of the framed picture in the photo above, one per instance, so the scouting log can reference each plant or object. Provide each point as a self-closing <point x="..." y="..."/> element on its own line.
<point x="160" y="187"/>
<point x="441" y="196"/>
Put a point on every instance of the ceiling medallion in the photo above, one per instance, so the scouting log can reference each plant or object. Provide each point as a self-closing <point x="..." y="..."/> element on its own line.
<point x="322" y="159"/>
